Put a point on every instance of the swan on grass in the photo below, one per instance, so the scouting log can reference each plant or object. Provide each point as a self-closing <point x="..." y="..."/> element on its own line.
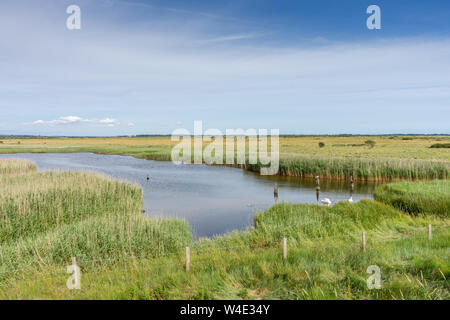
<point x="326" y="201"/>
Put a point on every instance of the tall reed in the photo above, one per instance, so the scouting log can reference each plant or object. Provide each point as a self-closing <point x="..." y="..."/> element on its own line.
<point x="426" y="197"/>
<point x="361" y="168"/>
<point x="37" y="202"/>
<point x="13" y="166"/>
<point x="98" y="241"/>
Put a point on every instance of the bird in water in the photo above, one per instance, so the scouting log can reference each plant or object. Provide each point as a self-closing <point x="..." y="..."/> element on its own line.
<point x="326" y="201"/>
<point x="148" y="178"/>
<point x="351" y="199"/>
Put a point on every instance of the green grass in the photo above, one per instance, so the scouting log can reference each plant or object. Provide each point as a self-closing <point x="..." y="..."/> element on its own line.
<point x="304" y="222"/>
<point x="426" y="197"/>
<point x="123" y="255"/>
<point x="323" y="262"/>
<point x="108" y="239"/>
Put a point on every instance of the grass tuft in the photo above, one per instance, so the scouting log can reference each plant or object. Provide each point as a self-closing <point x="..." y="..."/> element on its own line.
<point x="425" y="197"/>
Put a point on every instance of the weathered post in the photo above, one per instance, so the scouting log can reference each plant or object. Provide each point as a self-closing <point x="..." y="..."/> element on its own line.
<point x="284" y="248"/>
<point x="275" y="191"/>
<point x="364" y="241"/>
<point x="317" y="189"/>
<point x="188" y="259"/>
<point x="430" y="232"/>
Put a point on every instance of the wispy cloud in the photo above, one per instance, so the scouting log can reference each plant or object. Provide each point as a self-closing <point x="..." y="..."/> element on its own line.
<point x="74" y="120"/>
<point x="233" y="37"/>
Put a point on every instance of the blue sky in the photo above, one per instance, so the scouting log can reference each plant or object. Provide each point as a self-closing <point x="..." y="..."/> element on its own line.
<point x="143" y="67"/>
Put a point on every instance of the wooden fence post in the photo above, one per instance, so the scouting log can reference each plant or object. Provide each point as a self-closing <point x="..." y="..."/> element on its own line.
<point x="430" y="232"/>
<point x="284" y="248"/>
<point x="364" y="241"/>
<point x="188" y="259"/>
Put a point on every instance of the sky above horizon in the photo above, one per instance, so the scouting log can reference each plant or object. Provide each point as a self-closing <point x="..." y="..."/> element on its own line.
<point x="150" y="67"/>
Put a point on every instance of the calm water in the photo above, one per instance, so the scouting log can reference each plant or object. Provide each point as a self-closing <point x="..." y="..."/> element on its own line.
<point x="213" y="199"/>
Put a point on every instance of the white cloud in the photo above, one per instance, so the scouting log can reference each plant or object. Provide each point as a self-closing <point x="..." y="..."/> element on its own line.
<point x="108" y="121"/>
<point x="62" y="120"/>
<point x="74" y="119"/>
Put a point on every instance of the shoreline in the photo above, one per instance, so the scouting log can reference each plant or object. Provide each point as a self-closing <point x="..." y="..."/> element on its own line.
<point x="282" y="173"/>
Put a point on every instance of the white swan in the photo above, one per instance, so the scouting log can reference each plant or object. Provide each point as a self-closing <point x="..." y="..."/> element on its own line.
<point x="326" y="201"/>
<point x="351" y="199"/>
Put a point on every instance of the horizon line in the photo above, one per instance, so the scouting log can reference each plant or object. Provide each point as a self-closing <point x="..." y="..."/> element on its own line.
<point x="281" y="135"/>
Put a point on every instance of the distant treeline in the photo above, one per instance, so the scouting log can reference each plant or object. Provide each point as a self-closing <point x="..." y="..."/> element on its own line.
<point x="393" y="136"/>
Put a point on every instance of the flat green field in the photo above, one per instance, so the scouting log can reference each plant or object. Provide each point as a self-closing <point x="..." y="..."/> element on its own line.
<point x="48" y="218"/>
<point x="389" y="158"/>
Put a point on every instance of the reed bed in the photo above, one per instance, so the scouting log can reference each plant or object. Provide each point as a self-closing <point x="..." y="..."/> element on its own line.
<point x="419" y="197"/>
<point x="36" y="202"/>
<point x="98" y="241"/>
<point x="361" y="168"/>
<point x="13" y="166"/>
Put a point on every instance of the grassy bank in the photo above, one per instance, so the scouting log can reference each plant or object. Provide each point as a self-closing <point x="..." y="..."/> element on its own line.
<point x="427" y="197"/>
<point x="125" y="256"/>
<point x="329" y="264"/>
<point x="389" y="158"/>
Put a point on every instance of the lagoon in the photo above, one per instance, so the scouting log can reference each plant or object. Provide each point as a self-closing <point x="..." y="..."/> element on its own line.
<point x="213" y="199"/>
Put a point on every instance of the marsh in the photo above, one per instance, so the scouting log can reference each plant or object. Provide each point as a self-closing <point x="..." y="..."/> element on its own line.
<point x="214" y="200"/>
